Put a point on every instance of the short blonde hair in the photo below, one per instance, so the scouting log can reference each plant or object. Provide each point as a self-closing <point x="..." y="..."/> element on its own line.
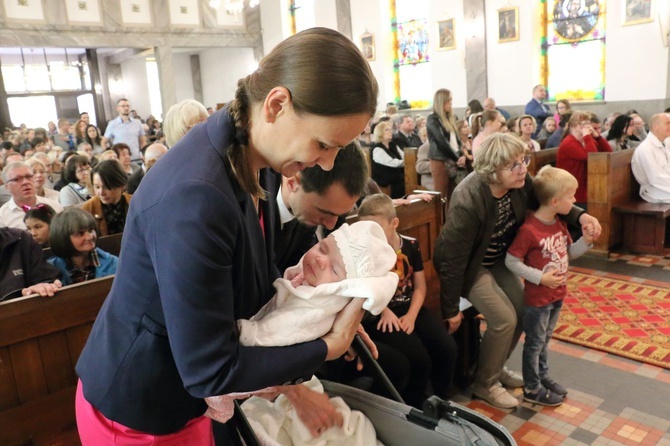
<point x="551" y="182"/>
<point x="532" y="119"/>
<point x="497" y="151"/>
<point x="379" y="130"/>
<point x="377" y="205"/>
<point x="180" y="118"/>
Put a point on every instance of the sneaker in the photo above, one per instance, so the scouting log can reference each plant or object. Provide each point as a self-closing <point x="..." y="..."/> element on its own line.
<point x="544" y="397"/>
<point x="555" y="387"/>
<point x="511" y="379"/>
<point x="496" y="396"/>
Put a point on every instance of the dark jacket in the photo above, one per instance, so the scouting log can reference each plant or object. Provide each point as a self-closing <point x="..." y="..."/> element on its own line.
<point x="466" y="234"/>
<point x="403" y="141"/>
<point x="385" y="175"/>
<point x="195" y="259"/>
<point x="22" y="262"/>
<point x="134" y="181"/>
<point x="291" y="241"/>
<point x="439" y="136"/>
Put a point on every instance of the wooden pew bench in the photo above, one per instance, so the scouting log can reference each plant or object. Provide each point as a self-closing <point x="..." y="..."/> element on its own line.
<point x="644" y="225"/>
<point x="613" y="193"/>
<point x="541" y="159"/>
<point x="40" y="342"/>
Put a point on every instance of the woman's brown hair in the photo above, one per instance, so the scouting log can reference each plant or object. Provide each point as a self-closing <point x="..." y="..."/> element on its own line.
<point x="326" y="75"/>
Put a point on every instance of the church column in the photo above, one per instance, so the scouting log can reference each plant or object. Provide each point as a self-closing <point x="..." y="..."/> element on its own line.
<point x="165" y="64"/>
<point x="475" y="49"/>
<point x="343" y="9"/>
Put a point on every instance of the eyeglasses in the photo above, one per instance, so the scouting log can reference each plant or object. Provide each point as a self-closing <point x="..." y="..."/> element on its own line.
<point x="516" y="167"/>
<point x="20" y="178"/>
<point x="83" y="169"/>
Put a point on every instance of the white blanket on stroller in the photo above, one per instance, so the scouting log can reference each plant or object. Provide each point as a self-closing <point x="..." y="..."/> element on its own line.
<point x="276" y="423"/>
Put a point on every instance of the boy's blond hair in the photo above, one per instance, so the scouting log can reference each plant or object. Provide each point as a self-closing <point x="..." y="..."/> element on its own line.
<point x="377" y="205"/>
<point x="550" y="182"/>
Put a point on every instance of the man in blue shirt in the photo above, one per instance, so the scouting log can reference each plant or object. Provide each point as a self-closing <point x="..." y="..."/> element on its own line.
<point x="127" y="130"/>
<point x="537" y="108"/>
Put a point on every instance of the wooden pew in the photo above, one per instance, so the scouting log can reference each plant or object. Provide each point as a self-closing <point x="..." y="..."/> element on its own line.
<point x="40" y="342"/>
<point x="541" y="159"/>
<point x="411" y="177"/>
<point x="422" y="221"/>
<point x="111" y="243"/>
<point x="610" y="184"/>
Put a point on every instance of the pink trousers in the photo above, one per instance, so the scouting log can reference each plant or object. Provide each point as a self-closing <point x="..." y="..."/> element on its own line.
<point x="96" y="430"/>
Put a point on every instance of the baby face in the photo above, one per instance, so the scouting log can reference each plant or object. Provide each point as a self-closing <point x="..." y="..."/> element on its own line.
<point x="323" y="263"/>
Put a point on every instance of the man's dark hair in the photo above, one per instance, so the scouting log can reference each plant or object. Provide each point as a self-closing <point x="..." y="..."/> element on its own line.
<point x="82" y="114"/>
<point x="35" y="141"/>
<point x="350" y="169"/>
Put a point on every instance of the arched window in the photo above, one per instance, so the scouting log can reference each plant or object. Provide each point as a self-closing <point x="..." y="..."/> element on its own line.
<point x="573" y="49"/>
<point x="410" y="31"/>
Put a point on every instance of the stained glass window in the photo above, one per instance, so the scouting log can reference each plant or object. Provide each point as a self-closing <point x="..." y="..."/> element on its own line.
<point x="573" y="49"/>
<point x="410" y="28"/>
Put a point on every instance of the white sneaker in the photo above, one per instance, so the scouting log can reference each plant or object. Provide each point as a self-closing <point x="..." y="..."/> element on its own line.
<point x="511" y="379"/>
<point x="496" y="396"/>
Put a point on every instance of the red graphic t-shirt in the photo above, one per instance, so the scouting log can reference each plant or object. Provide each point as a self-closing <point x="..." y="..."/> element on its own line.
<point x="545" y="247"/>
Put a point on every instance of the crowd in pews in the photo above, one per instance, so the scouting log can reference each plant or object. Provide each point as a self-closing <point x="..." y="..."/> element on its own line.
<point x="236" y="213"/>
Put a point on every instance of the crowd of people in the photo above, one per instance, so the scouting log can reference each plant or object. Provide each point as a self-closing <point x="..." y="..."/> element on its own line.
<point x="250" y="200"/>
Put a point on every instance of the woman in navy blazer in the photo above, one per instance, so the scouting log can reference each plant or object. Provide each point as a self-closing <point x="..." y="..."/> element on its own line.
<point x="197" y="251"/>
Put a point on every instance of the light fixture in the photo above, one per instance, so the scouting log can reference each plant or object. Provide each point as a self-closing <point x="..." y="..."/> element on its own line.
<point x="233" y="7"/>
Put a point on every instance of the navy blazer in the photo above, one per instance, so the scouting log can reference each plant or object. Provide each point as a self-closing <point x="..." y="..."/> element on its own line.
<point x="195" y="260"/>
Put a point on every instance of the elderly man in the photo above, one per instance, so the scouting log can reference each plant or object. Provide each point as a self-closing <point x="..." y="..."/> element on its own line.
<point x="18" y="177"/>
<point x="537" y="108"/>
<point x="651" y="161"/>
<point x="151" y="155"/>
<point x="406" y="136"/>
<point x="490" y="104"/>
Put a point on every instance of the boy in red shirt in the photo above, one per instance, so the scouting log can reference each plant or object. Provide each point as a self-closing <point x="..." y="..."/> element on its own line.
<point x="539" y="254"/>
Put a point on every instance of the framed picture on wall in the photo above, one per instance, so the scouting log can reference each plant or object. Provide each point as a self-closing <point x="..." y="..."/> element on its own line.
<point x="508" y="24"/>
<point x="136" y="12"/>
<point x="637" y="11"/>
<point x="83" y="12"/>
<point x="23" y="11"/>
<point x="446" y="35"/>
<point x="184" y="12"/>
<point x="368" y="46"/>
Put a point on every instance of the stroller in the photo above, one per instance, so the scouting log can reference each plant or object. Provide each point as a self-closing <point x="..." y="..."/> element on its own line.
<point x="397" y="424"/>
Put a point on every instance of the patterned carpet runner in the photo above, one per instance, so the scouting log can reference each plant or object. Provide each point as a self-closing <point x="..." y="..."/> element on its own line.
<point x="624" y="318"/>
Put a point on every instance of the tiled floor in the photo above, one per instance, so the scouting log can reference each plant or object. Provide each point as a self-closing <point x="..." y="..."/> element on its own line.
<point x="611" y="400"/>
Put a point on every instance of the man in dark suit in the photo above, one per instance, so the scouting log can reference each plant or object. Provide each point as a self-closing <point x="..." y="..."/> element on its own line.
<point x="406" y="136"/>
<point x="537" y="108"/>
<point x="150" y="156"/>
<point x="315" y="197"/>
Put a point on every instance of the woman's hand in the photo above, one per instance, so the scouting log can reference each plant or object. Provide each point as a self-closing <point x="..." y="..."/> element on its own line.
<point x="454" y="322"/>
<point x="340" y="336"/>
<point x="388" y="321"/>
<point x="43" y="289"/>
<point x="591" y="225"/>
<point x="461" y="161"/>
<point x="313" y="408"/>
<point x="352" y="354"/>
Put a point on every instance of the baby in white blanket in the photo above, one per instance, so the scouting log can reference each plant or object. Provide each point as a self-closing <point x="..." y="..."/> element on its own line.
<point x="352" y="262"/>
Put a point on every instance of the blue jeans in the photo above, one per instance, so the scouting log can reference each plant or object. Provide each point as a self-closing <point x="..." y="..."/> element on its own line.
<point x="538" y="324"/>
